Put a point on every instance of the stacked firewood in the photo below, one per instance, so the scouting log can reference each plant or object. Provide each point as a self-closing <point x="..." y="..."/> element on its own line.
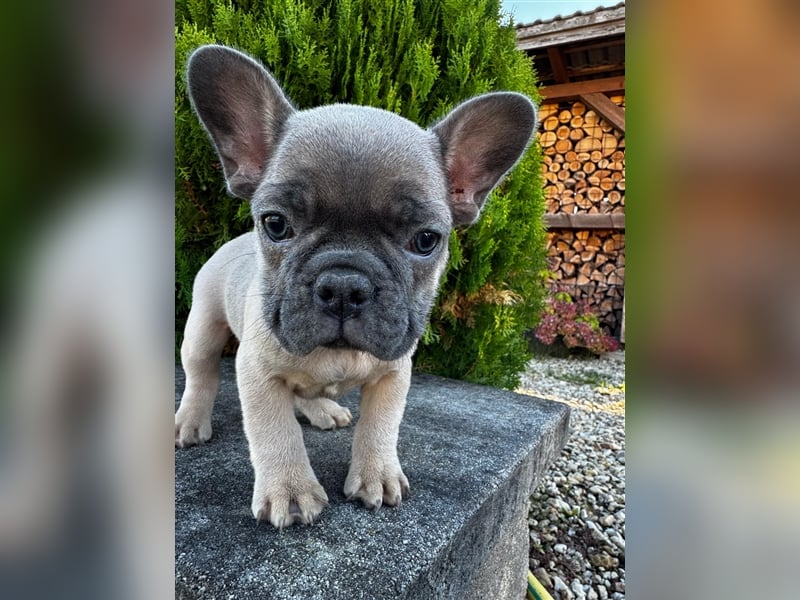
<point x="590" y="264"/>
<point x="584" y="160"/>
<point x="584" y="170"/>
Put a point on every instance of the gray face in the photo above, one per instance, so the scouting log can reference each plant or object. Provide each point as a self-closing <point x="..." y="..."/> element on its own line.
<point x="353" y="220"/>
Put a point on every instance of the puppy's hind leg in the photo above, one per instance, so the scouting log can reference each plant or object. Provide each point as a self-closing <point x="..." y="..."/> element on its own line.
<point x="323" y="413"/>
<point x="204" y="339"/>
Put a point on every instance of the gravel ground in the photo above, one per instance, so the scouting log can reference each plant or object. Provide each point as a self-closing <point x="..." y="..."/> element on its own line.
<point x="577" y="516"/>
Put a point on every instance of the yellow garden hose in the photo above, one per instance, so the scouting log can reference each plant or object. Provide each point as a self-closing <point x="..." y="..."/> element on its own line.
<point x="536" y="590"/>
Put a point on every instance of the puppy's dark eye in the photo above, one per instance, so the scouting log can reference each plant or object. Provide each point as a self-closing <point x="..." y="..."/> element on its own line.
<point x="277" y="227"/>
<point x="424" y="242"/>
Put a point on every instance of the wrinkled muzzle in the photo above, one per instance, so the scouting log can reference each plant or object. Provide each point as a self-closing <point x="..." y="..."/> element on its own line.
<point x="347" y="300"/>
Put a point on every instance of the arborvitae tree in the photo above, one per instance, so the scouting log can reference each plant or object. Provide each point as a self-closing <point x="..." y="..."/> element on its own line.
<point x="418" y="59"/>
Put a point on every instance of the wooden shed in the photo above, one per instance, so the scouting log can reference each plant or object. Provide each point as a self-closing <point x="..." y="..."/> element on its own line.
<point x="580" y="62"/>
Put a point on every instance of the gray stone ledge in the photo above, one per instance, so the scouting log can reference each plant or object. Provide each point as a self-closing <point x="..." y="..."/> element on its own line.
<point x="472" y="455"/>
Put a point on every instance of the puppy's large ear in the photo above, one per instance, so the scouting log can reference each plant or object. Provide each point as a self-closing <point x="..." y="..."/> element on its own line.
<point x="242" y="108"/>
<point x="482" y="139"/>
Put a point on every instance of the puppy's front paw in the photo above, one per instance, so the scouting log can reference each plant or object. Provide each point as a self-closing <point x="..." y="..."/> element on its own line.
<point x="191" y="427"/>
<point x="289" y="500"/>
<point x="376" y="483"/>
<point x="324" y="413"/>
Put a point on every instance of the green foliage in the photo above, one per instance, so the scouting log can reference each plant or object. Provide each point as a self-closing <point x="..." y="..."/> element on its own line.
<point x="418" y="59"/>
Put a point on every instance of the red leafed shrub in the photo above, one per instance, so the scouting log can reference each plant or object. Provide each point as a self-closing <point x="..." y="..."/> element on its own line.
<point x="575" y="324"/>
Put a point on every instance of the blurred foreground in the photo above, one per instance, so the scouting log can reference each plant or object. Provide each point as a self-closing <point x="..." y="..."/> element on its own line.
<point x="86" y="377"/>
<point x="713" y="299"/>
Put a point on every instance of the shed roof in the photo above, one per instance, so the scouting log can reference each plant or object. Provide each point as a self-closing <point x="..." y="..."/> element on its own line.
<point x="582" y="53"/>
<point x="580" y="26"/>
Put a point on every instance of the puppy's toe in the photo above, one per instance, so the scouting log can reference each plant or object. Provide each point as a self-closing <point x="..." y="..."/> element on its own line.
<point x="323" y="413"/>
<point x="377" y="488"/>
<point x="287" y="505"/>
<point x="191" y="430"/>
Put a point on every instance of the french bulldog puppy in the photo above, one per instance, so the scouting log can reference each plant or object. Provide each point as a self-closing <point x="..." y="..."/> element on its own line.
<point x="352" y="208"/>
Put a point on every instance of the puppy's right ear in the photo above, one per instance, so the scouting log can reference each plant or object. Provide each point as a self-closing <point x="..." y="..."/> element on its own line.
<point x="242" y="108"/>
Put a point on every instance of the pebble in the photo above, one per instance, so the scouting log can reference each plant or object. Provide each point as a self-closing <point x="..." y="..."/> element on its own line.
<point x="577" y="515"/>
<point x="560" y="588"/>
<point x="543" y="577"/>
<point x="577" y="588"/>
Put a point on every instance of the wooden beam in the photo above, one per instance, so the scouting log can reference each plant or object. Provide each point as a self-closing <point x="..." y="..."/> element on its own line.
<point x="571" y="91"/>
<point x="606" y="109"/>
<point x="557" y="64"/>
<point x="585" y="221"/>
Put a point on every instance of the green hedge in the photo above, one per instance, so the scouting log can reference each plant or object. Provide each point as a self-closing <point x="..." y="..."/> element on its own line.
<point x="417" y="59"/>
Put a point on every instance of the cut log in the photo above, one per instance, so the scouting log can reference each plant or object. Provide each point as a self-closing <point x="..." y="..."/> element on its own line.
<point x="609" y="145"/>
<point x="548" y="138"/>
<point x="583" y="201"/>
<point x="609" y="246"/>
<point x="614" y="279"/>
<point x="550" y="123"/>
<point x="588" y="144"/>
<point x="545" y="110"/>
<point x="594" y="194"/>
<point x="593" y="131"/>
<point x="576" y="134"/>
<point x="563" y="146"/>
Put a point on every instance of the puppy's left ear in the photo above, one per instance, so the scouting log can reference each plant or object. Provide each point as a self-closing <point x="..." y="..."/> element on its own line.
<point x="482" y="139"/>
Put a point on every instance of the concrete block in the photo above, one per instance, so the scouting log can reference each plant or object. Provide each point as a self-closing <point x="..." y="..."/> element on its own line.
<point x="472" y="455"/>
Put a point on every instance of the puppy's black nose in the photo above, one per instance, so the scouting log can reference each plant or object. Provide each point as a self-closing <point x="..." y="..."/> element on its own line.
<point x="342" y="293"/>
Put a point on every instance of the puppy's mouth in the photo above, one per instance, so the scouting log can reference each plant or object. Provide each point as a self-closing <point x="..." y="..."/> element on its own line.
<point x="340" y="344"/>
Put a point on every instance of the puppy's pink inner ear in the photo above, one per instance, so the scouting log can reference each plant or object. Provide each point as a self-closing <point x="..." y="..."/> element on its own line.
<point x="467" y="182"/>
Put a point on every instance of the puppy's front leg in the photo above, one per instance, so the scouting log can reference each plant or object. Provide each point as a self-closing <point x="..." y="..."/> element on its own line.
<point x="375" y="474"/>
<point x="286" y="489"/>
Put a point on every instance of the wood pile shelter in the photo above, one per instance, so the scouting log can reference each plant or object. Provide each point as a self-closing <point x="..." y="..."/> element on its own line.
<point x="580" y="62"/>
